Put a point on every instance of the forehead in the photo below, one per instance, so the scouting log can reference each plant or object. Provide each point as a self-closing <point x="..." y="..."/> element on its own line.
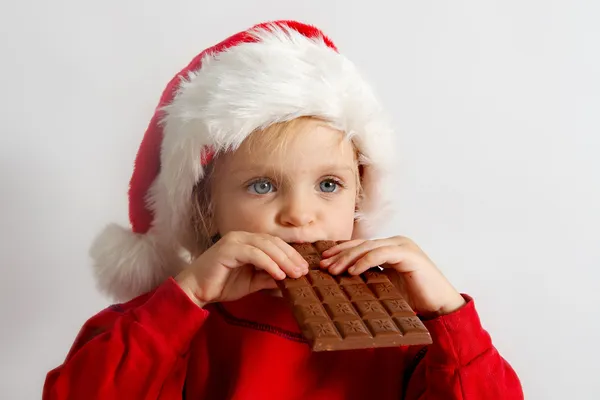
<point x="300" y="144"/>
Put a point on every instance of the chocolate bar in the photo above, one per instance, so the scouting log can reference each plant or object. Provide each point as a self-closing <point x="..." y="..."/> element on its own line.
<point x="345" y="312"/>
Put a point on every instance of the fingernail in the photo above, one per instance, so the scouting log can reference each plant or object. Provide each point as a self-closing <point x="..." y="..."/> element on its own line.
<point x="302" y="267"/>
<point x="352" y="269"/>
<point x="326" y="262"/>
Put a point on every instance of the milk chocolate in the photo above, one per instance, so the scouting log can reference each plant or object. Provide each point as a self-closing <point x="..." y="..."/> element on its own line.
<point x="345" y="312"/>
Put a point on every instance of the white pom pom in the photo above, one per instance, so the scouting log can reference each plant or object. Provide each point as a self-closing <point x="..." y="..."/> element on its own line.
<point x="127" y="264"/>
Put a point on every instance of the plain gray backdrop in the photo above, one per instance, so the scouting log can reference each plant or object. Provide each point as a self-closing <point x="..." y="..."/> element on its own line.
<point x="496" y="105"/>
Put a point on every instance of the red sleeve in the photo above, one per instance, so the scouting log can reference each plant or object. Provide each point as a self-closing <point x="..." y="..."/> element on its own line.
<point x="131" y="351"/>
<point x="462" y="363"/>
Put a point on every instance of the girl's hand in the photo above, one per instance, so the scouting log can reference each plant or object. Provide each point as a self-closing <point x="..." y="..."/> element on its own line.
<point x="422" y="284"/>
<point x="240" y="263"/>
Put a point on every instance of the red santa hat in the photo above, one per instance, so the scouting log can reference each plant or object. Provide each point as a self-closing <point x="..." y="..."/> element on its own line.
<point x="270" y="73"/>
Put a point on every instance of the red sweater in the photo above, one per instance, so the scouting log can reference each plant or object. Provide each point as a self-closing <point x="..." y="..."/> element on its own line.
<point x="162" y="346"/>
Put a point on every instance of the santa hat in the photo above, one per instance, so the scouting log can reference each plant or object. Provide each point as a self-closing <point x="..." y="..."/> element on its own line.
<point x="270" y="73"/>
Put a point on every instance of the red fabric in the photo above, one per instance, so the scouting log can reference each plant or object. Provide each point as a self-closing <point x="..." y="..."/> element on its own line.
<point x="147" y="162"/>
<point x="161" y="346"/>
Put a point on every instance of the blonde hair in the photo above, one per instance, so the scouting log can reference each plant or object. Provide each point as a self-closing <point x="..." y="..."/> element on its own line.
<point x="275" y="138"/>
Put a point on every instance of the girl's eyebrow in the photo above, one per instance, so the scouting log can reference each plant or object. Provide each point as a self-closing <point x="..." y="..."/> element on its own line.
<point x="333" y="169"/>
<point x="263" y="168"/>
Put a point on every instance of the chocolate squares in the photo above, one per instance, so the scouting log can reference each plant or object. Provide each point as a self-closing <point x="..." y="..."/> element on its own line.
<point x="347" y="312"/>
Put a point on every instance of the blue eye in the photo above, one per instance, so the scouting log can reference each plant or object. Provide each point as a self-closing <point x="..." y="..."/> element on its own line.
<point x="261" y="187"/>
<point x="329" y="185"/>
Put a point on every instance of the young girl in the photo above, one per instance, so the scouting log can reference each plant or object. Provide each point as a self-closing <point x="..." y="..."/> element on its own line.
<point x="268" y="138"/>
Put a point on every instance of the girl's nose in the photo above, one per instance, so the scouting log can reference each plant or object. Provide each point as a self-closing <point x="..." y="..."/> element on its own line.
<point x="297" y="211"/>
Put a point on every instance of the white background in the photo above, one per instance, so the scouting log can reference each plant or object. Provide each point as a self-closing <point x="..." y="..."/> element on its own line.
<point x="496" y="105"/>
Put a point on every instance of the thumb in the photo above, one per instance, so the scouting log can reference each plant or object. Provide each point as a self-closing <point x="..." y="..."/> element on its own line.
<point x="261" y="280"/>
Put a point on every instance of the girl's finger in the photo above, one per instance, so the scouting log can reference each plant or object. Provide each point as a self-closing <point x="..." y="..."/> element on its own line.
<point x="399" y="240"/>
<point x="350" y="256"/>
<point x="293" y="265"/>
<point x="249" y="254"/>
<point x="292" y="253"/>
<point x="330" y="256"/>
<point x="341" y="247"/>
<point x="379" y="256"/>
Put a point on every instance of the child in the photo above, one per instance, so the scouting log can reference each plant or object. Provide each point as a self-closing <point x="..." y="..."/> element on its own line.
<point x="268" y="138"/>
